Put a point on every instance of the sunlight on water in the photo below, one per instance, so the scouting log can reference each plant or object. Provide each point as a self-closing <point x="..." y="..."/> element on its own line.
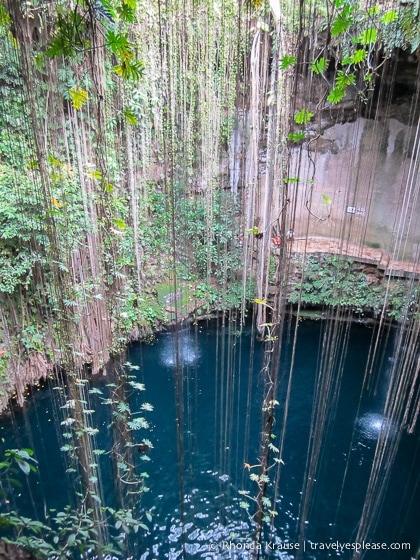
<point x="372" y="424"/>
<point x="188" y="353"/>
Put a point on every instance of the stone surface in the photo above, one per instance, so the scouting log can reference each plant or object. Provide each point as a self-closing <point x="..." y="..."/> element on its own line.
<point x="363" y="188"/>
<point x="12" y="552"/>
<point x="380" y="259"/>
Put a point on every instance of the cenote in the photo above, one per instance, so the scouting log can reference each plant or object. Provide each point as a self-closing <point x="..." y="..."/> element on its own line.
<point x="206" y="389"/>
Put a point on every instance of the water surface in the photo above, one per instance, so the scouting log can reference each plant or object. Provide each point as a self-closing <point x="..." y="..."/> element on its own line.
<point x="209" y="378"/>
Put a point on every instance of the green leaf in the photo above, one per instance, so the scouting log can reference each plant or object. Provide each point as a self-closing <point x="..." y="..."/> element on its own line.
<point x="39" y="61"/>
<point x="130" y="3"/>
<point x="287" y="61"/>
<point x="4" y="16"/>
<point x="326" y="199"/>
<point x="138" y="424"/>
<point x="78" y="96"/>
<point x="389" y="17"/>
<point x="359" y="56"/>
<point x="70" y="35"/>
<point x="343" y="21"/>
<point x="95" y="174"/>
<point x="123" y="407"/>
<point x="318" y="66"/>
<point x="71" y="539"/>
<point x="129" y="70"/>
<point x="119" y="223"/>
<point x="296" y="136"/>
<point x="303" y="116"/>
<point x="95" y="390"/>
<point x="127" y="13"/>
<point x="138" y="386"/>
<point x="368" y="37"/>
<point x="59" y="47"/>
<point x="130" y="116"/>
<point x="54" y="161"/>
<point x="117" y="42"/>
<point x="343" y="79"/>
<point x="336" y="95"/>
<point x="25" y="453"/>
<point x="24" y="466"/>
<point x="339" y="26"/>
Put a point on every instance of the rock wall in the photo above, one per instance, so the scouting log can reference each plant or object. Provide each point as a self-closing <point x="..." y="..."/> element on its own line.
<point x="360" y="182"/>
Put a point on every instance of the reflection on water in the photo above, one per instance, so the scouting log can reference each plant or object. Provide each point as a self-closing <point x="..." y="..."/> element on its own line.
<point x="372" y="424"/>
<point x="188" y="352"/>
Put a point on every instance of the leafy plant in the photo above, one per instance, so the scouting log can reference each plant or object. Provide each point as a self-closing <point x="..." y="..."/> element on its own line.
<point x="334" y="281"/>
<point x="303" y="116"/>
<point x="287" y="61"/>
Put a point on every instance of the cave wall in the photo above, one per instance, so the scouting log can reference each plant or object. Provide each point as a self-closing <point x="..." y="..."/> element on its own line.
<point x="369" y="170"/>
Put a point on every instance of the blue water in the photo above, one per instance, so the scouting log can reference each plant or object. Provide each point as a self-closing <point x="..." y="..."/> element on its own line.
<point x="219" y="376"/>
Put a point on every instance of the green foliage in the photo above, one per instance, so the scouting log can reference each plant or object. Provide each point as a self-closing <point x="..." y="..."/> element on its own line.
<point x="139" y="311"/>
<point x="70" y="35"/>
<point x="326" y="199"/>
<point x="317" y="66"/>
<point x="32" y="339"/>
<point x="368" y="37"/>
<point x="296" y="136"/>
<point x="303" y="116"/>
<point x="20" y="224"/>
<point x="336" y="281"/>
<point x="23" y="458"/>
<point x="128" y="68"/>
<point x="356" y="33"/>
<point x="358" y="57"/>
<point x="79" y="97"/>
<point x="389" y="17"/>
<point x="336" y="95"/>
<point x="4" y="16"/>
<point x="287" y="61"/>
<point x="344" y="79"/>
<point x="130" y="116"/>
<point x="73" y="37"/>
<point x="408" y="18"/>
<point x="76" y="533"/>
<point x="70" y="532"/>
<point x="117" y="42"/>
<point x="343" y="20"/>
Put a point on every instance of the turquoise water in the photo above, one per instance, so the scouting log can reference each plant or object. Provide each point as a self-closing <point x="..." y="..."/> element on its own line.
<point x="218" y="374"/>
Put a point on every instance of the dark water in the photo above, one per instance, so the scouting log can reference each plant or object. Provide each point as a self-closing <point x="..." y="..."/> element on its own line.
<point x="218" y="374"/>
